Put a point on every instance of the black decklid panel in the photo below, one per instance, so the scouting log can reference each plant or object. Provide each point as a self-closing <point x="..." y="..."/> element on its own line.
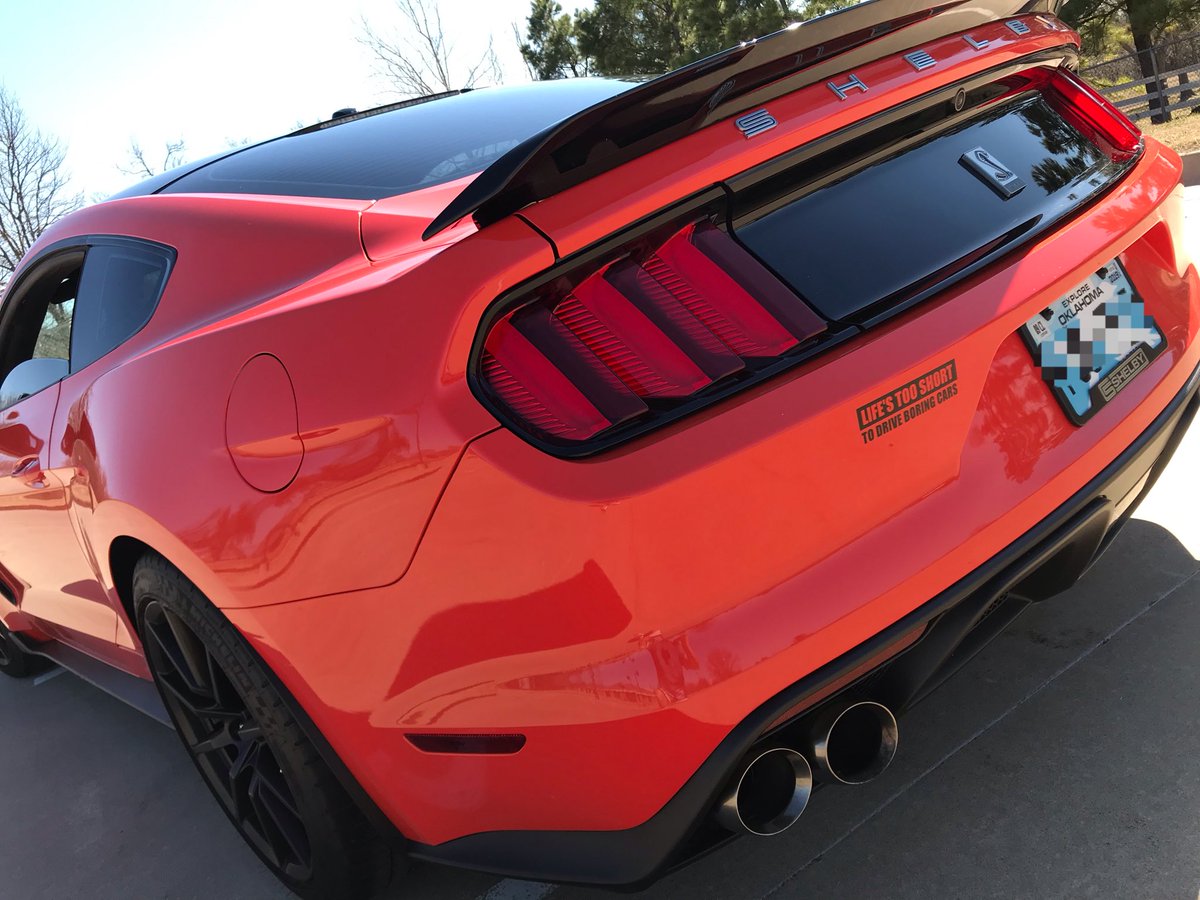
<point x="879" y="234"/>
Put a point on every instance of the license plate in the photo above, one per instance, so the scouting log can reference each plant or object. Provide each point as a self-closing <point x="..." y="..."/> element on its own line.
<point x="1093" y="341"/>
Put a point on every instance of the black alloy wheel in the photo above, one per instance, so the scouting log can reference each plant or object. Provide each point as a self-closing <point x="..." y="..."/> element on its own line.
<point x="252" y="752"/>
<point x="14" y="661"/>
<point x="227" y="743"/>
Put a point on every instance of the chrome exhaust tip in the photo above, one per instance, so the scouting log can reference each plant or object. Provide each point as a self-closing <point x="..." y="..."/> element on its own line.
<point x="853" y="744"/>
<point x="769" y="794"/>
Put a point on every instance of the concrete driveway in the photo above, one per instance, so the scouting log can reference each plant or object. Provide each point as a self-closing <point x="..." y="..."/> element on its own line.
<point x="1064" y="761"/>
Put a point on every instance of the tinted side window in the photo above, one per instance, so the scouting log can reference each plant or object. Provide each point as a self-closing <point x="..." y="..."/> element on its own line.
<point x="54" y="337"/>
<point x="35" y="326"/>
<point x="120" y="288"/>
<point x="37" y="317"/>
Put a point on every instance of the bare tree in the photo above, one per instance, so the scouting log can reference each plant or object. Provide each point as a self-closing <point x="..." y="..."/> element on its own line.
<point x="34" y="186"/>
<point x="139" y="167"/>
<point x="420" y="60"/>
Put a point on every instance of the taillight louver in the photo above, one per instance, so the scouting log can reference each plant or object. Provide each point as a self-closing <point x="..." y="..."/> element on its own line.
<point x="638" y="336"/>
<point x="745" y="323"/>
<point x="537" y="390"/>
<point x="669" y="314"/>
<point x="714" y="323"/>
<point x="625" y="340"/>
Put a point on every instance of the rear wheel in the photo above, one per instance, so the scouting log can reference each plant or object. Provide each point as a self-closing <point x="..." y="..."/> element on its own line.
<point x="14" y="661"/>
<point x="249" y="748"/>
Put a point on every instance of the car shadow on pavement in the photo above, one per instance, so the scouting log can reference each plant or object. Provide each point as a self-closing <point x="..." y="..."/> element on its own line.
<point x="1063" y="760"/>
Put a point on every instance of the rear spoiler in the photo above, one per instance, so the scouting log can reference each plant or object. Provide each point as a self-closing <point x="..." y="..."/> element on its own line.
<point x="671" y="106"/>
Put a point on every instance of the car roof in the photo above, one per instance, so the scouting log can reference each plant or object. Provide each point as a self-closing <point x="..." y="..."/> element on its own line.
<point x="392" y="150"/>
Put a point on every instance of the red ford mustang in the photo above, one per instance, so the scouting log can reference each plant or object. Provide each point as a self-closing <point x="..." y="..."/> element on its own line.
<point x="563" y="479"/>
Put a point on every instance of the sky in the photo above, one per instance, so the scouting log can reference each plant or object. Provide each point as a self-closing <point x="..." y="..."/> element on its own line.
<point x="100" y="74"/>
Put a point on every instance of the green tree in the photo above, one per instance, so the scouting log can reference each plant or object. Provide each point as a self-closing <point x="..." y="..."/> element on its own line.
<point x="723" y="24"/>
<point x="635" y="37"/>
<point x="550" y="47"/>
<point x="814" y="8"/>
<point x="1149" y="20"/>
<point x="647" y="37"/>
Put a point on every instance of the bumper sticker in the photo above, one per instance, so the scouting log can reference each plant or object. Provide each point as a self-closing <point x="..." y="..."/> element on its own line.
<point x="907" y="402"/>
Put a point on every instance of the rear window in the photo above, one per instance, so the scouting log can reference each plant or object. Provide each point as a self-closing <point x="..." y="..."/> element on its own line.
<point x="403" y="150"/>
<point x="121" y="285"/>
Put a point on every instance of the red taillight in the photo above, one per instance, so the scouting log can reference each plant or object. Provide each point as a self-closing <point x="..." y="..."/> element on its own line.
<point x="1090" y="109"/>
<point x="626" y="340"/>
<point x="640" y="336"/>
<point x="532" y="381"/>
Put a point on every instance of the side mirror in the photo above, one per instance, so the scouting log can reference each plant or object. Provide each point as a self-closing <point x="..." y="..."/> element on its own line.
<point x="32" y="376"/>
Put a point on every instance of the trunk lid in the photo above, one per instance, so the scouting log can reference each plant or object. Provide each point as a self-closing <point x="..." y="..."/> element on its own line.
<point x="856" y="241"/>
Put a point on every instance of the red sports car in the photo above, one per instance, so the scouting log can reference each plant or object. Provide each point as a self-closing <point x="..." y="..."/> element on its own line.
<point x="562" y="479"/>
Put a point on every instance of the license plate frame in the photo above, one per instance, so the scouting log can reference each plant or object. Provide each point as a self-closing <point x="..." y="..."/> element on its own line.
<point x="1086" y="373"/>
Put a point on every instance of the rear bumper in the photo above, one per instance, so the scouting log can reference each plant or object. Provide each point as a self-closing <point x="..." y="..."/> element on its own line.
<point x="1044" y="561"/>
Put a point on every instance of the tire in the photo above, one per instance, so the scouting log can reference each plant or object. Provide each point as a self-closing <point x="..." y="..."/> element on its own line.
<point x="251" y="752"/>
<point x="14" y="661"/>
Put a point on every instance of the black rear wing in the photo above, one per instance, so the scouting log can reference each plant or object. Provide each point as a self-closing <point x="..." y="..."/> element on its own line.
<point x="669" y="107"/>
